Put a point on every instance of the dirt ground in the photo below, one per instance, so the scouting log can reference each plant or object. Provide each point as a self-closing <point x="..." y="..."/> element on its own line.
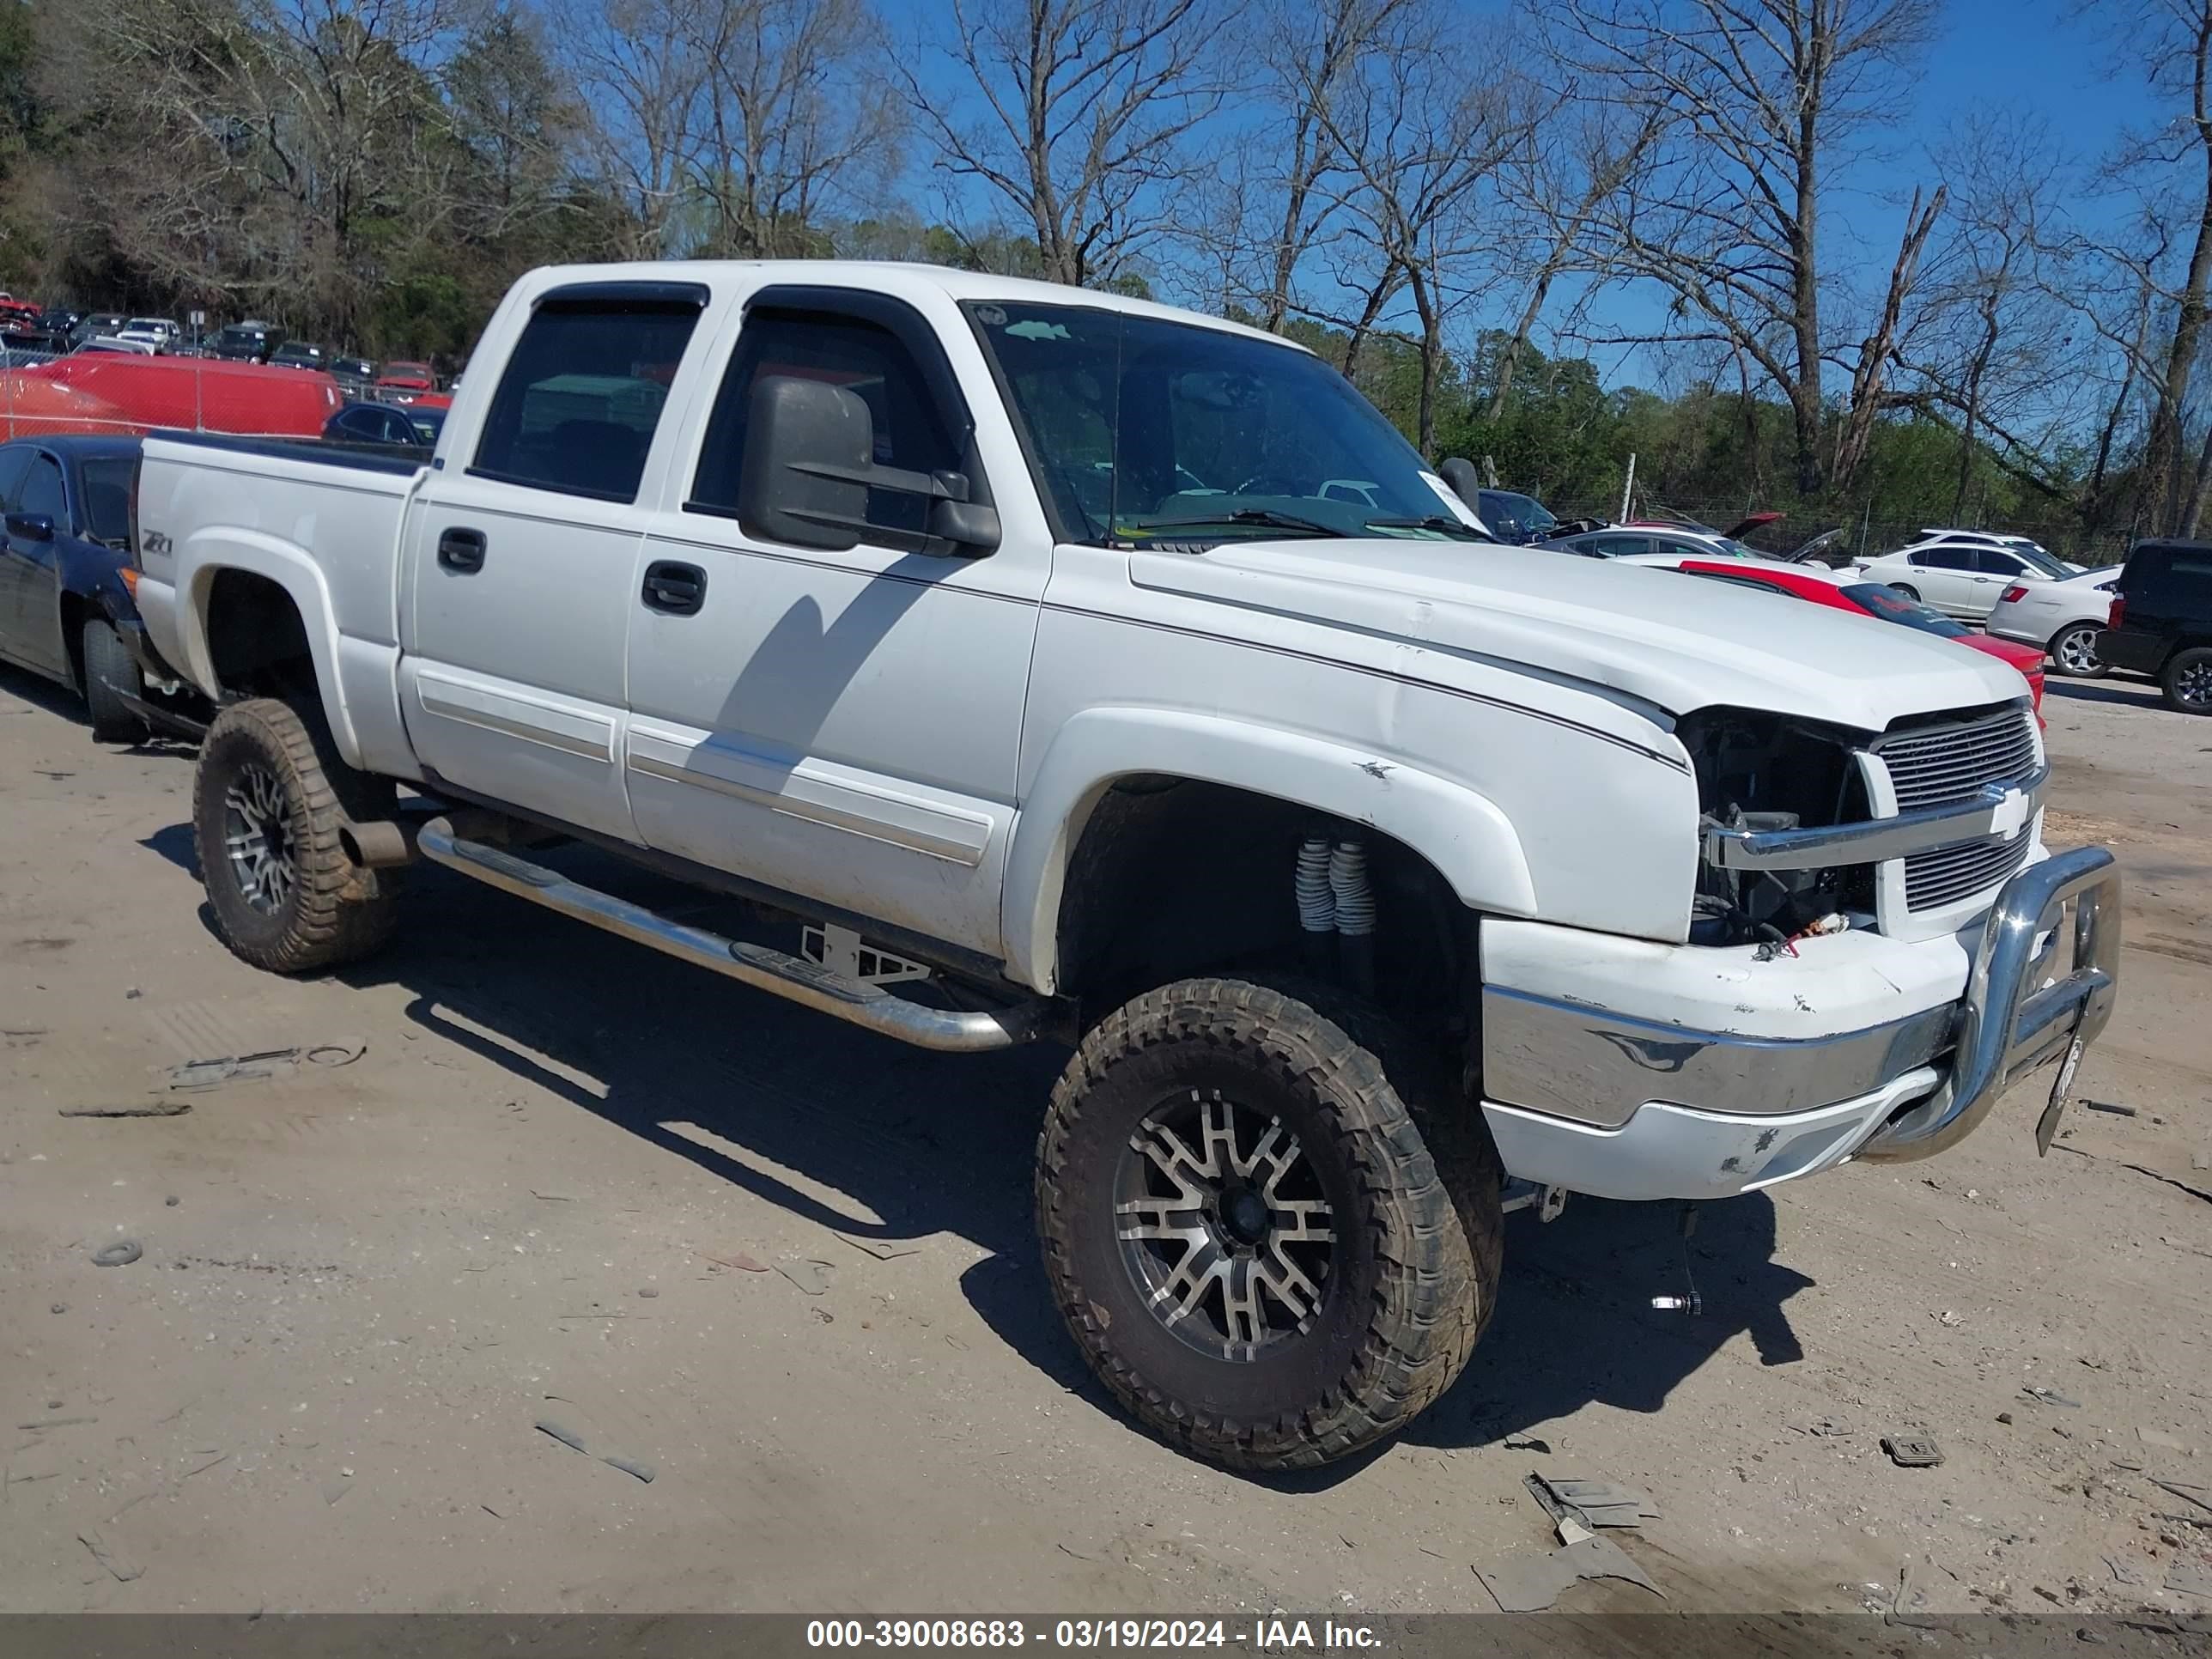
<point x="544" y="1190"/>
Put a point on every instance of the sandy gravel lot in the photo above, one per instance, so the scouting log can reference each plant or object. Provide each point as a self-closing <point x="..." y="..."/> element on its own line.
<point x="542" y="1190"/>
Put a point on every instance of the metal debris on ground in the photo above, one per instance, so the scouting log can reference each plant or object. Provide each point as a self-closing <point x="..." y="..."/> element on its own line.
<point x="1527" y="1443"/>
<point x="1912" y="1451"/>
<point x="110" y="1554"/>
<point x="196" y="1075"/>
<point x="2112" y="1108"/>
<point x="121" y="1254"/>
<point x="2200" y="1495"/>
<point x="1904" y="1606"/>
<point x="2123" y="1571"/>
<point x="1593" y="1503"/>
<point x="568" y="1437"/>
<point x="1825" y="1429"/>
<point x="811" y="1277"/>
<point x="153" y="1106"/>
<point x="883" y="1249"/>
<point x="1530" y="1584"/>
<point x="2048" y="1396"/>
<point x="737" y="1259"/>
<point x="2189" y="1578"/>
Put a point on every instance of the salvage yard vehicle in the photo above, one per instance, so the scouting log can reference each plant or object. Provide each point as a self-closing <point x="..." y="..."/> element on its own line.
<point x="2160" y="621"/>
<point x="1378" y="882"/>
<point x="66" y="609"/>
<point x="1963" y="575"/>
<point x="2064" y="617"/>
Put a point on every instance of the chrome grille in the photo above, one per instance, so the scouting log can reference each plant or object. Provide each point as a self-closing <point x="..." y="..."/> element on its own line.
<point x="1945" y="765"/>
<point x="1948" y="874"/>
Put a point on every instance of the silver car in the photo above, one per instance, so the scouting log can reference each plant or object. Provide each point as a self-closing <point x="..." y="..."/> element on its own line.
<point x="2064" y="617"/>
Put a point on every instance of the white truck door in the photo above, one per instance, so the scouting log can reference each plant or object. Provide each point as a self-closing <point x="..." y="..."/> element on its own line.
<point x="842" y="725"/>
<point x="525" y="556"/>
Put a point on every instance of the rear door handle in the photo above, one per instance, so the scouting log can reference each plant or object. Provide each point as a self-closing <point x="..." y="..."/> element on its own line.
<point x="676" y="589"/>
<point x="462" y="550"/>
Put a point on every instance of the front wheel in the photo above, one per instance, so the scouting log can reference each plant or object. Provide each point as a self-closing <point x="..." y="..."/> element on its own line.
<point x="2187" y="681"/>
<point x="270" y="796"/>
<point x="1249" y="1235"/>
<point x="2074" y="651"/>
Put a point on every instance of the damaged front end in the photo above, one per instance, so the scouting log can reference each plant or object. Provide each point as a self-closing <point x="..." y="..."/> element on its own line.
<point x="1764" y="776"/>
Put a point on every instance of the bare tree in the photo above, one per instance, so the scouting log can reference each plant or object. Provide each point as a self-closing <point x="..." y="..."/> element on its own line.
<point x="1763" y="94"/>
<point x="640" y="76"/>
<point x="1565" y="174"/>
<point x="1422" y="130"/>
<point x="1082" y="110"/>
<point x="794" y="122"/>
<point x="2170" y="42"/>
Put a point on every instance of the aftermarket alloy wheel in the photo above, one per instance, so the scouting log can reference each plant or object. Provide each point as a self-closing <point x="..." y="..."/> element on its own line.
<point x="2187" y="681"/>
<point x="2074" y="651"/>
<point x="270" y="796"/>
<point x="1274" y="1244"/>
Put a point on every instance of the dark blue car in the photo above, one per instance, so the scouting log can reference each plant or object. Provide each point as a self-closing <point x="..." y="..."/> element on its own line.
<point x="66" y="566"/>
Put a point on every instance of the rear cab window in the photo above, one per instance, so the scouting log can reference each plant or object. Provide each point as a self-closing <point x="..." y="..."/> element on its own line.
<point x="583" y="391"/>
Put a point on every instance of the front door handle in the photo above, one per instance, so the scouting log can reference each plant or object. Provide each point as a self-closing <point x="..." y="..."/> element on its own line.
<point x="462" y="550"/>
<point x="676" y="589"/>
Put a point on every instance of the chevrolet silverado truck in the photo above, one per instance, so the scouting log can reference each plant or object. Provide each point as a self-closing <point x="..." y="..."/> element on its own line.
<point x="1056" y="666"/>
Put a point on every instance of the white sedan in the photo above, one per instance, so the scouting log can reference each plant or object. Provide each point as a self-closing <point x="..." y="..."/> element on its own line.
<point x="1965" y="578"/>
<point x="2064" y="617"/>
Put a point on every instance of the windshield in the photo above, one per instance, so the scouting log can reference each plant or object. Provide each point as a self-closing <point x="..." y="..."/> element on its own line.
<point x="107" y="498"/>
<point x="1139" y="430"/>
<point x="1886" y="602"/>
<point x="2035" y="556"/>
<point x="1517" y="517"/>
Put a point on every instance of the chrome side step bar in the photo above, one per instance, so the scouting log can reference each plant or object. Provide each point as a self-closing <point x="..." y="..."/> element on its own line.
<point x="790" y="977"/>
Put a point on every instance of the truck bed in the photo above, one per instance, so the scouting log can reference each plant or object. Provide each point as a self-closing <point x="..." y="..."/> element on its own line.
<point x="359" y="458"/>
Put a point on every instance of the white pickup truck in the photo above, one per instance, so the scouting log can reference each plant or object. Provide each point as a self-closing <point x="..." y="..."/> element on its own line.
<point x="1057" y="666"/>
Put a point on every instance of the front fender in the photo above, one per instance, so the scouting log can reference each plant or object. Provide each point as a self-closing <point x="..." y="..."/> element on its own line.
<point x="206" y="554"/>
<point x="1473" y="844"/>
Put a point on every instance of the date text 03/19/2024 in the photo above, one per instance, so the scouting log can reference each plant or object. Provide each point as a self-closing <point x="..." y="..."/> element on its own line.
<point x="1266" y="1634"/>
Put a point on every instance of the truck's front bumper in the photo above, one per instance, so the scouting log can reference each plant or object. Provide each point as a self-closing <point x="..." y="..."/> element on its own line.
<point x="1861" y="1047"/>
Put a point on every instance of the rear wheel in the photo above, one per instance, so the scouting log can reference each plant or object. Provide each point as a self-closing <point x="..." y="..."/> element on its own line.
<point x="1249" y="1234"/>
<point x="1909" y="592"/>
<point x="110" y="675"/>
<point x="2187" y="681"/>
<point x="2074" y="651"/>
<point x="270" y="796"/>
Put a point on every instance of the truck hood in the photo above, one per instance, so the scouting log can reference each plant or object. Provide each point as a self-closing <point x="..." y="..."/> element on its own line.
<point x="1658" y="637"/>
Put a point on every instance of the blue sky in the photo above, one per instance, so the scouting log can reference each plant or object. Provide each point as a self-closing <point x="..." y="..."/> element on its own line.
<point x="2032" y="59"/>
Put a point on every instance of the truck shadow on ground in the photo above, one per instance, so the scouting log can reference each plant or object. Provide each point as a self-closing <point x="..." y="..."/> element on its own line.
<point x="867" y="1137"/>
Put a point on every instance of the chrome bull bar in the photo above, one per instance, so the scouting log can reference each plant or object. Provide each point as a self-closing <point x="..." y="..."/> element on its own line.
<point x="2011" y="1021"/>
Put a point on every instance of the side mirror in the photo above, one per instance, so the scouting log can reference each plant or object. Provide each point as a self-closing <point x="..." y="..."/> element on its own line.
<point x="31" y="527"/>
<point x="810" y="462"/>
<point x="1466" y="482"/>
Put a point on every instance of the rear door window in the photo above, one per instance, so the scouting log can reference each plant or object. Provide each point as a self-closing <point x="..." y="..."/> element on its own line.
<point x="1945" y="558"/>
<point x="582" y="396"/>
